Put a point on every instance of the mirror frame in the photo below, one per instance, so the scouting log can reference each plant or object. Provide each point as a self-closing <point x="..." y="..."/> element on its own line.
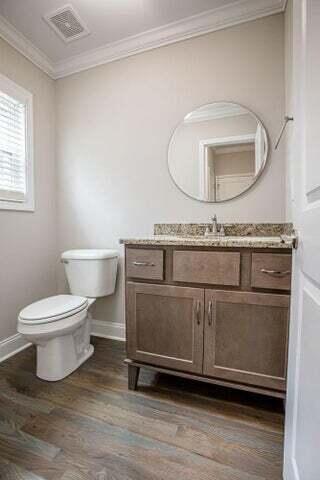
<point x="257" y="178"/>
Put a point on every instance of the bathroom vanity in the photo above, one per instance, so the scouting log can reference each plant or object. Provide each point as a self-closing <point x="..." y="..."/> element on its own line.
<point x="207" y="301"/>
<point x="210" y="309"/>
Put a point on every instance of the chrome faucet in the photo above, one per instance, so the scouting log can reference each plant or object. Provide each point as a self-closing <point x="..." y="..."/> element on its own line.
<point x="215" y="231"/>
<point x="214" y="224"/>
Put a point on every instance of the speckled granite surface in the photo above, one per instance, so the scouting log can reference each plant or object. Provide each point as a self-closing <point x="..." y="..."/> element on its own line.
<point x="228" y="241"/>
<point x="231" y="229"/>
<point x="246" y="235"/>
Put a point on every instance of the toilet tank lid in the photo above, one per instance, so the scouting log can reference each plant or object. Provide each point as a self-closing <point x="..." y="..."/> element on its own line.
<point x="89" y="254"/>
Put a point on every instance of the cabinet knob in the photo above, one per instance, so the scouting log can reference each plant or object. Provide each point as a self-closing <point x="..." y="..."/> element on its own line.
<point x="210" y="313"/>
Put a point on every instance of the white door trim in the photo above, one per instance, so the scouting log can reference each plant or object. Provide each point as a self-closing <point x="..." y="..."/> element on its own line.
<point x="204" y="181"/>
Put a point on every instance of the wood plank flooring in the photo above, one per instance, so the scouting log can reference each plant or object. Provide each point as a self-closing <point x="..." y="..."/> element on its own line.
<point x="91" y="427"/>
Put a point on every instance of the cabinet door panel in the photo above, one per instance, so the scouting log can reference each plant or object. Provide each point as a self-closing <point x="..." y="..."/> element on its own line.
<point x="246" y="337"/>
<point x="165" y="325"/>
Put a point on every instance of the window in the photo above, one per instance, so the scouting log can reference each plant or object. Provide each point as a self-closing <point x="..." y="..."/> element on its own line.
<point x="16" y="147"/>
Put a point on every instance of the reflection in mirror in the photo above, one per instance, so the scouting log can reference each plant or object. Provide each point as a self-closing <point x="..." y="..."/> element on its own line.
<point x="217" y="152"/>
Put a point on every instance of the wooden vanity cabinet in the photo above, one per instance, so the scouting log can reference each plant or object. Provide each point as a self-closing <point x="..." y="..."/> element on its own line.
<point x="193" y="321"/>
<point x="246" y="337"/>
<point x="165" y="325"/>
<point x="219" y="268"/>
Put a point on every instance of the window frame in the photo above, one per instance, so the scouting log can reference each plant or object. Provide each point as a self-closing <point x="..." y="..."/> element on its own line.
<point x="14" y="90"/>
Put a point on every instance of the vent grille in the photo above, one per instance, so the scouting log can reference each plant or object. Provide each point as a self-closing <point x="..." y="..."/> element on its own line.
<point x="67" y="23"/>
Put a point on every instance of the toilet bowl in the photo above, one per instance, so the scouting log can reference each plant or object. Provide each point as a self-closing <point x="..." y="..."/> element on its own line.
<point x="60" y="326"/>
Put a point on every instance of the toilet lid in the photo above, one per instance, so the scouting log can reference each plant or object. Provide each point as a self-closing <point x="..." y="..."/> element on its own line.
<point x="53" y="308"/>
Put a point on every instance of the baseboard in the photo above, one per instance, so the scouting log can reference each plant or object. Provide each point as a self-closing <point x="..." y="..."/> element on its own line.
<point x="16" y="343"/>
<point x="113" y="330"/>
<point x="12" y="345"/>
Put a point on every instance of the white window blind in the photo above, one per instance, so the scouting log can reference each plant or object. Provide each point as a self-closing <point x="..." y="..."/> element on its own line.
<point x="12" y="149"/>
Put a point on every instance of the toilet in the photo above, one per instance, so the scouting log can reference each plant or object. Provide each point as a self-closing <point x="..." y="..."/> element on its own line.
<point x="60" y="326"/>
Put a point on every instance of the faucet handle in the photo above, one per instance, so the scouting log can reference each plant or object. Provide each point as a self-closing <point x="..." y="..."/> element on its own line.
<point x="214" y="224"/>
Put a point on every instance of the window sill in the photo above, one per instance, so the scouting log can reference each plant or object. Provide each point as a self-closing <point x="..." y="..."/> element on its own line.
<point x="17" y="206"/>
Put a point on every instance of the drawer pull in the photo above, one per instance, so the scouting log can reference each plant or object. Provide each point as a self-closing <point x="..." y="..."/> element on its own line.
<point x="276" y="273"/>
<point x="143" y="264"/>
<point x="198" y="312"/>
<point x="210" y="313"/>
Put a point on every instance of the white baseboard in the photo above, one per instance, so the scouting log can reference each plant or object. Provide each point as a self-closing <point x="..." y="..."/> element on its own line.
<point x="113" y="330"/>
<point x="16" y="343"/>
<point x="12" y="345"/>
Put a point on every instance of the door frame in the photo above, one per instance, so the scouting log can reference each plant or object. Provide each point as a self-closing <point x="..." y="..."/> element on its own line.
<point x="203" y="158"/>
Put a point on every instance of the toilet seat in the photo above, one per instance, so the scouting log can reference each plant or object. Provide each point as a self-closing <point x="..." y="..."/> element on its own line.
<point x="52" y="309"/>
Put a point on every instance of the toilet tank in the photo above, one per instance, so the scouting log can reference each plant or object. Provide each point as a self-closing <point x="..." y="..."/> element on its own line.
<point x="91" y="273"/>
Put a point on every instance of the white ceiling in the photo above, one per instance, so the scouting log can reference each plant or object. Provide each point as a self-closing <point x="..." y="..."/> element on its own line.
<point x="113" y="23"/>
<point x="108" y="20"/>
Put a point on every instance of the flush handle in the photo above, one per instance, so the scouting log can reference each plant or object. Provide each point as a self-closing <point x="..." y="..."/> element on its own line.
<point x="63" y="260"/>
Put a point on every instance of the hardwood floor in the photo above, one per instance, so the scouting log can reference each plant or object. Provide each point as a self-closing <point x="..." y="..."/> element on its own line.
<point x="90" y="426"/>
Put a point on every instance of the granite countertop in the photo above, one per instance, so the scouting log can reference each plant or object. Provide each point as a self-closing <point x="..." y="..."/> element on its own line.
<point x="227" y="241"/>
<point x="246" y="235"/>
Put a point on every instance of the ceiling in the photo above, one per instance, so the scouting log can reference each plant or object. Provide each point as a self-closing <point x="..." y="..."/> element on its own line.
<point x="108" y="20"/>
<point x="118" y="27"/>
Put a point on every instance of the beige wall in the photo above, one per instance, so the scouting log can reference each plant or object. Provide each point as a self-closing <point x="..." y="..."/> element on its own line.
<point x="235" y="163"/>
<point x="28" y="240"/>
<point x="115" y="122"/>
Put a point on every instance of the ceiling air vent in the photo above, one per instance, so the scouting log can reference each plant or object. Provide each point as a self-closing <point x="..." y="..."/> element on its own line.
<point x="67" y="23"/>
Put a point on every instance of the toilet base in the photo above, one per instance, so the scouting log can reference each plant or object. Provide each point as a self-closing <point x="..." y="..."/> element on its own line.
<point x="59" y="356"/>
<point x="57" y="372"/>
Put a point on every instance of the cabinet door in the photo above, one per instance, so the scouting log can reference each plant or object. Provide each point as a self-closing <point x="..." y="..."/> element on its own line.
<point x="165" y="325"/>
<point x="246" y="337"/>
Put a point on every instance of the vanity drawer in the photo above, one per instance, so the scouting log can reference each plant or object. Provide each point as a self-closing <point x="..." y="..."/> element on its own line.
<point x="145" y="263"/>
<point x="215" y="268"/>
<point x="271" y="270"/>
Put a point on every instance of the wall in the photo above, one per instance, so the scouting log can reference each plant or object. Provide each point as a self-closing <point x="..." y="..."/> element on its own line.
<point x="114" y="125"/>
<point x="242" y="162"/>
<point x="28" y="240"/>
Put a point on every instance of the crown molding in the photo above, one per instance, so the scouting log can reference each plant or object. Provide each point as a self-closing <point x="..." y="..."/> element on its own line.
<point x="205" y="22"/>
<point x="17" y="40"/>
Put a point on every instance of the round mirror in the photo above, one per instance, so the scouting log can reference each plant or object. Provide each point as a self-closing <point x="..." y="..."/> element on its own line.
<point x="217" y="152"/>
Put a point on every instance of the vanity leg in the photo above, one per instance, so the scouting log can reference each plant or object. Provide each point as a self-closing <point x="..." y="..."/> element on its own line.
<point x="133" y="375"/>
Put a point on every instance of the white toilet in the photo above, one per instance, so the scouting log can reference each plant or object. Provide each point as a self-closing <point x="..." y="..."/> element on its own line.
<point x="60" y="326"/>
